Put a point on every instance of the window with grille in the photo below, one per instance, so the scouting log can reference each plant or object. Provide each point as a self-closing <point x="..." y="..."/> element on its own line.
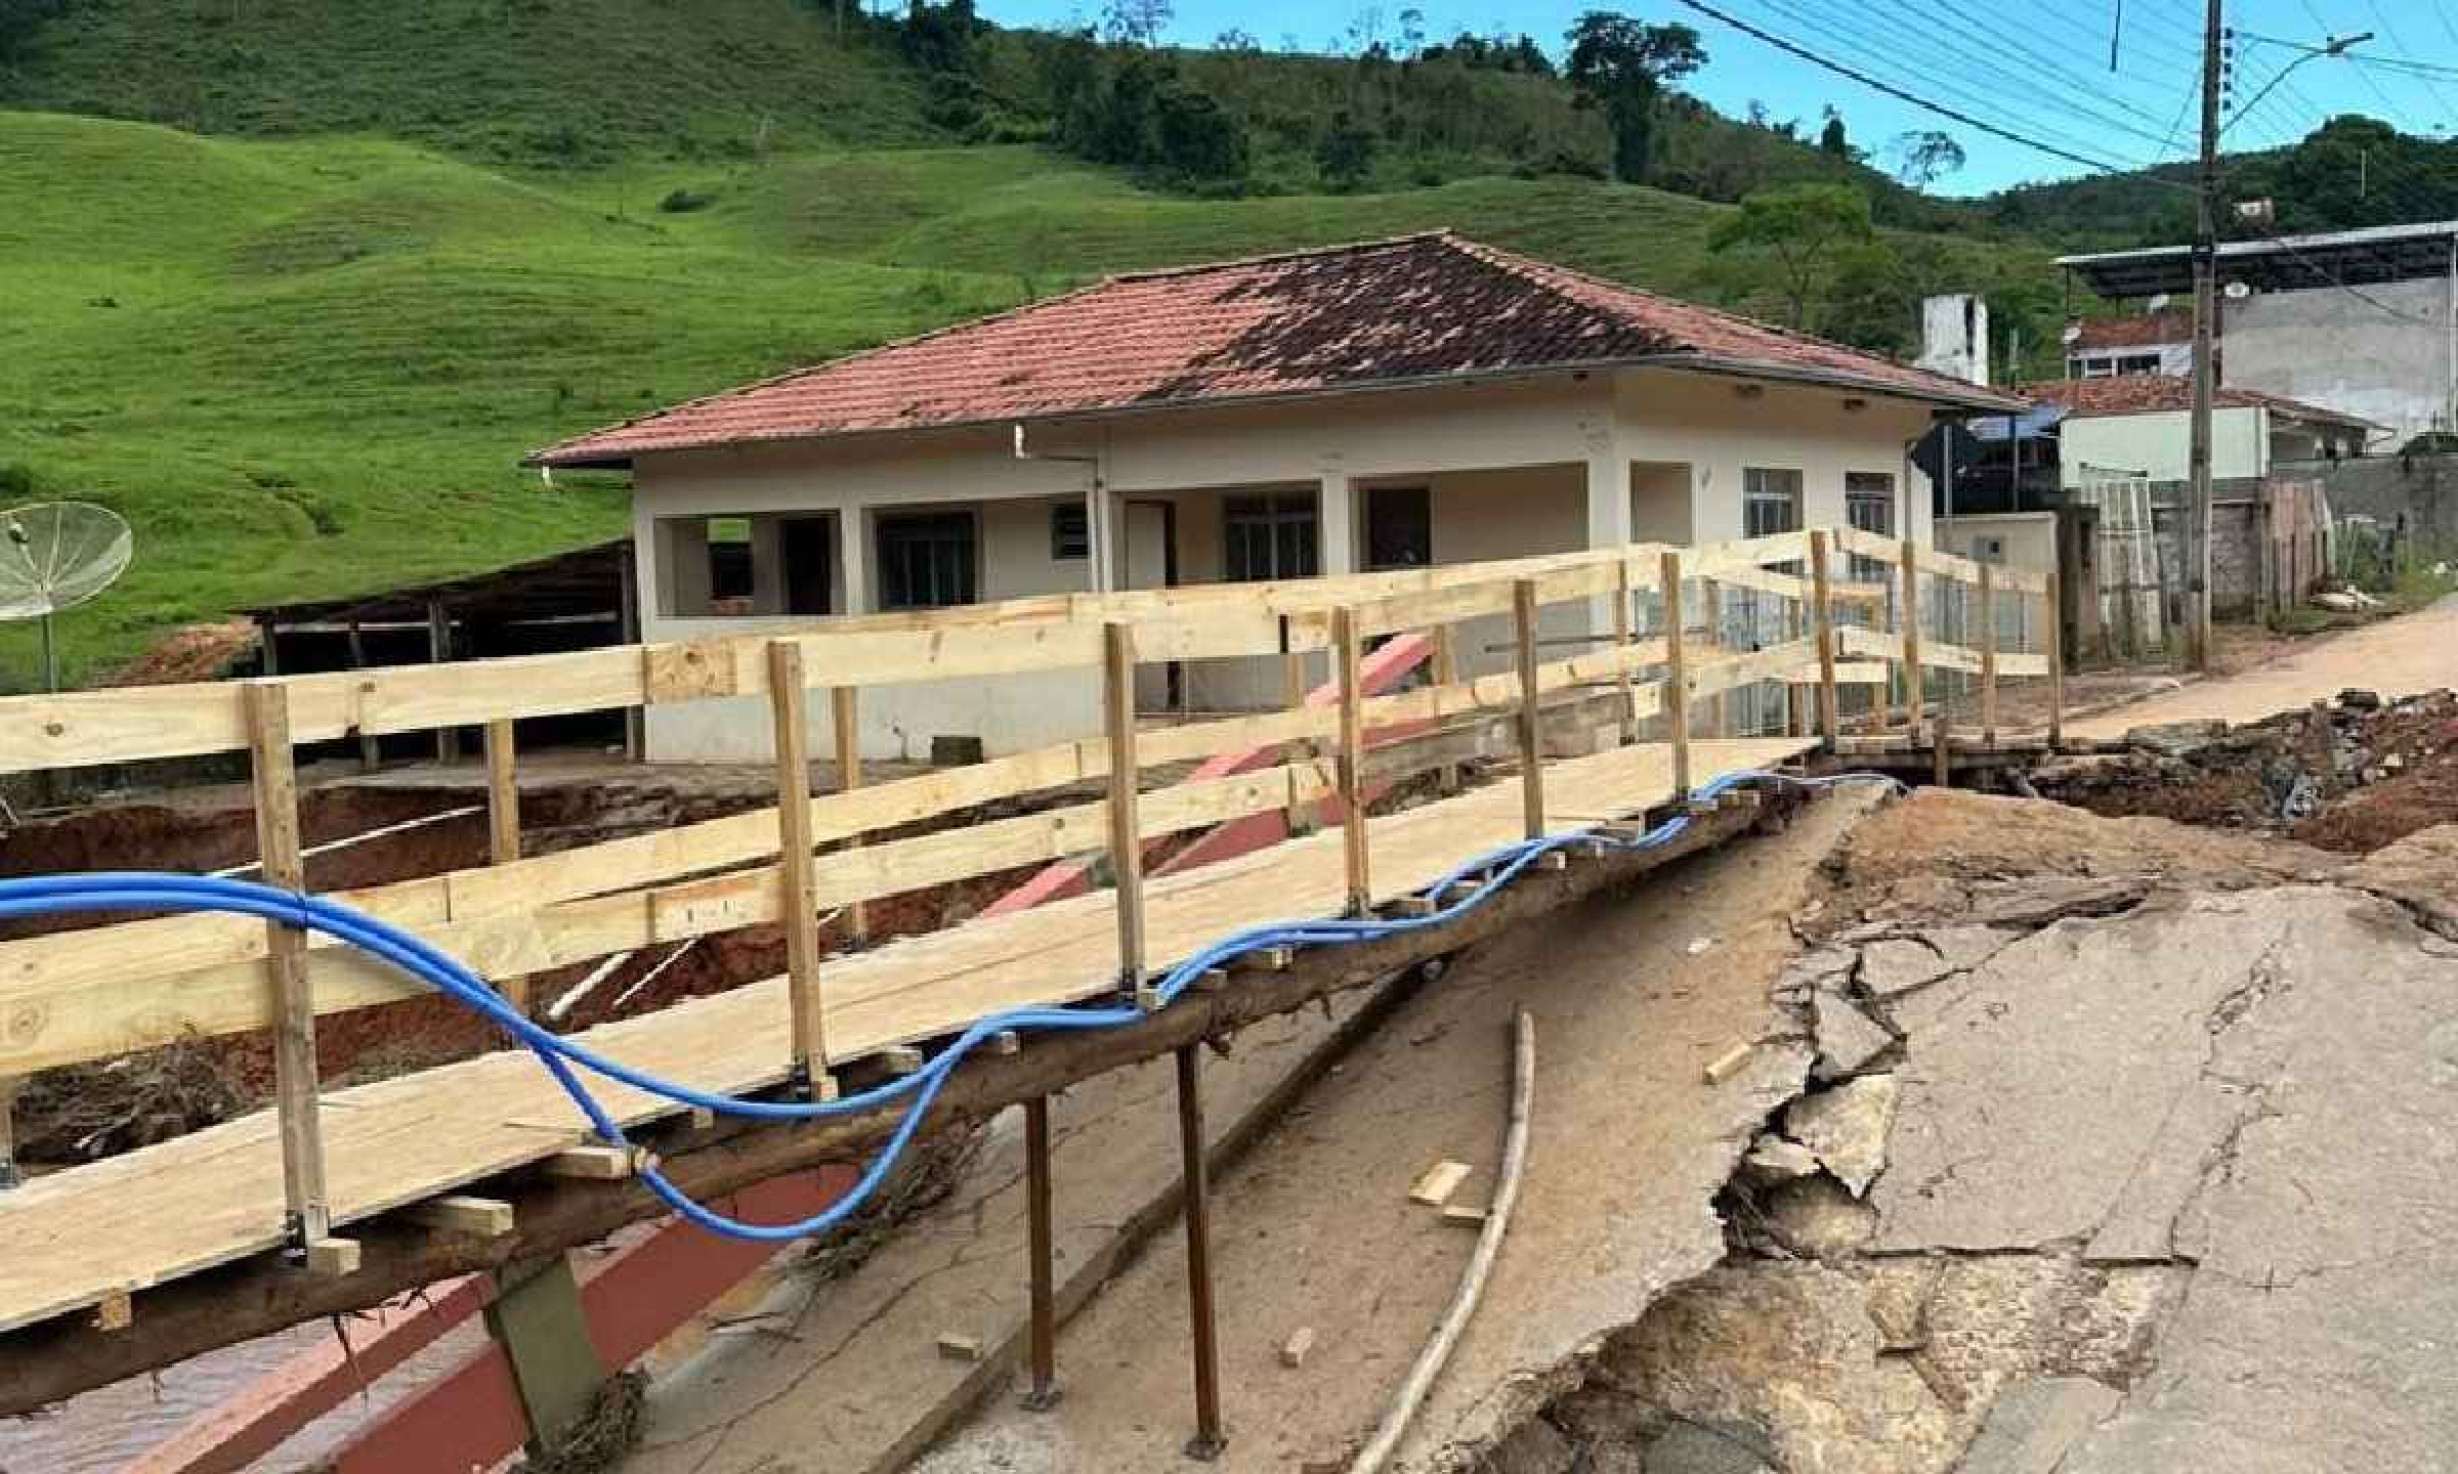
<point x="1267" y="537"/>
<point x="927" y="560"/>
<point x="1070" y="531"/>
<point x="1770" y="501"/>
<point x="1869" y="501"/>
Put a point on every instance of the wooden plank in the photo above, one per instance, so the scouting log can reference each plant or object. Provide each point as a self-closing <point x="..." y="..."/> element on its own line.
<point x="305" y="1202"/>
<point x="1677" y="677"/>
<point x="1822" y="617"/>
<point x="439" y="651"/>
<point x="1629" y="729"/>
<point x="1870" y="545"/>
<point x="1711" y="612"/>
<point x="1711" y="677"/>
<point x="1915" y="695"/>
<point x="1356" y="860"/>
<point x="503" y="820"/>
<point x="845" y="723"/>
<point x="1126" y="846"/>
<point x="460" y="1213"/>
<point x="806" y="1016"/>
<point x="1435" y="1184"/>
<point x="1531" y="721"/>
<point x="1714" y="560"/>
<point x="2052" y="597"/>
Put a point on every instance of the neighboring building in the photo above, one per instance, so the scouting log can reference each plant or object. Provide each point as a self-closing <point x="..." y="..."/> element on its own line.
<point x="2362" y="322"/>
<point x="2141" y="425"/>
<point x="1954" y="336"/>
<point x="1422" y="400"/>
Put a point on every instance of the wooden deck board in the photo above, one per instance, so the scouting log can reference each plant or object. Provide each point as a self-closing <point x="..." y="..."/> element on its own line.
<point x="187" y="1205"/>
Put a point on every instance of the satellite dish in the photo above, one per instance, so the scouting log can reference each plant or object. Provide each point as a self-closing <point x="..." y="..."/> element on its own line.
<point x="2237" y="291"/>
<point x="55" y="556"/>
<point x="2158" y="303"/>
<point x="2072" y="334"/>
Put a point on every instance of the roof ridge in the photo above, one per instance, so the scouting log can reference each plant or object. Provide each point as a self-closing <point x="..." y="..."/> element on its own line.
<point x="1300" y="253"/>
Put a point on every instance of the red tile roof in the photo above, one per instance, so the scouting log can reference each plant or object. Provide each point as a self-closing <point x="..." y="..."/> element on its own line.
<point x="2173" y="325"/>
<point x="2144" y="394"/>
<point x="1420" y="308"/>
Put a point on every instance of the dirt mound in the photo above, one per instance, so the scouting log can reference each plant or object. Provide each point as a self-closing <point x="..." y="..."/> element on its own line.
<point x="86" y="1112"/>
<point x="193" y="652"/>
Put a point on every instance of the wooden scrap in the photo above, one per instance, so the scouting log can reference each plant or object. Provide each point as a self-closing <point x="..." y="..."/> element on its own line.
<point x="115" y="1312"/>
<point x="591" y="1163"/>
<point x="1728" y="1064"/>
<point x="1006" y="1041"/>
<point x="1467" y="1215"/>
<point x="957" y="1347"/>
<point x="1435" y="1186"/>
<point x="1293" y="1351"/>
<point x="332" y="1256"/>
<point x="902" y="1059"/>
<point x="484" y="1218"/>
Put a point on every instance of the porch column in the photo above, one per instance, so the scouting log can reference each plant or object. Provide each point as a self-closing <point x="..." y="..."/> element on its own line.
<point x="767" y="565"/>
<point x="1608" y="509"/>
<point x="1336" y="514"/>
<point x="852" y="560"/>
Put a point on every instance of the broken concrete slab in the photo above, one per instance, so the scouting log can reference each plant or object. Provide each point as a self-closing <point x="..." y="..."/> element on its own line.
<point x="1772" y="1160"/>
<point x="2038" y="900"/>
<point x="1691" y="1448"/>
<point x="1897" y="965"/>
<point x="2419" y="872"/>
<point x="2034" y="1422"/>
<point x="1846" y="1127"/>
<point x="1847" y="1038"/>
<point x="1816" y="1218"/>
<point x="2176" y="739"/>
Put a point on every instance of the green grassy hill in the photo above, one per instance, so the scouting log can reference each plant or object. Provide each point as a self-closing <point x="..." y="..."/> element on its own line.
<point x="306" y="367"/>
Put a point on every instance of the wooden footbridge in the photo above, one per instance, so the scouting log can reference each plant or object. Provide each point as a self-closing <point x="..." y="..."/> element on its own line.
<point x="336" y="1199"/>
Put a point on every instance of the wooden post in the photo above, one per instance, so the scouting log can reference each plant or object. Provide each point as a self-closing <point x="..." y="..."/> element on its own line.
<point x="2056" y="658"/>
<point x="627" y="628"/>
<point x="1446" y="672"/>
<point x="537" y="1319"/>
<point x="304" y="1200"/>
<point x="503" y="823"/>
<point x="1823" y="618"/>
<point x="845" y="727"/>
<point x="795" y="905"/>
<point x="1352" y="765"/>
<point x="1531" y="709"/>
<point x="439" y="650"/>
<point x="1676" y="676"/>
<point x="1711" y="620"/>
<point x="368" y="751"/>
<point x="1915" y="695"/>
<point x="1622" y="677"/>
<point x="1126" y="840"/>
<point x="9" y="1086"/>
<point x="1301" y="817"/>
<point x="1988" y="657"/>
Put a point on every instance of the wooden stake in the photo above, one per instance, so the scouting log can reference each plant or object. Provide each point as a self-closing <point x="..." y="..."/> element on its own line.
<point x="1531" y="710"/>
<point x="845" y="721"/>
<point x="1988" y="656"/>
<point x="2056" y="660"/>
<point x="294" y="1005"/>
<point x="503" y="823"/>
<point x="1292" y="696"/>
<point x="1446" y="672"/>
<point x="1711" y="598"/>
<point x="439" y="650"/>
<point x="1676" y="676"/>
<point x="807" y="1010"/>
<point x="1915" y="697"/>
<point x="368" y="753"/>
<point x="1622" y="676"/>
<point x="1352" y="763"/>
<point x="1126" y="846"/>
<point x="1823" y="617"/>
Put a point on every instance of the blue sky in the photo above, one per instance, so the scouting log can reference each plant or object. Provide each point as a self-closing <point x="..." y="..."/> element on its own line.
<point x="2037" y="69"/>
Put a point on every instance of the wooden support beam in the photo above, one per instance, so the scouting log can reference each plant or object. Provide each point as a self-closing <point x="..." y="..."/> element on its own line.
<point x="2056" y="660"/>
<point x="1126" y="846"/>
<point x="1915" y="699"/>
<point x="627" y="624"/>
<point x="503" y="795"/>
<point x="1446" y="673"/>
<point x="295" y="1103"/>
<point x="1352" y="765"/>
<point x="592" y="1163"/>
<point x="439" y="652"/>
<point x="1041" y="1357"/>
<point x="368" y="752"/>
<point x="1677" y="675"/>
<point x="845" y="724"/>
<point x="537" y="1319"/>
<point x="484" y="1218"/>
<point x="1531" y="715"/>
<point x="1711" y="619"/>
<point x="9" y="1086"/>
<point x="1988" y="655"/>
<point x="1621" y="641"/>
<point x="795" y="906"/>
<point x="1822" y="619"/>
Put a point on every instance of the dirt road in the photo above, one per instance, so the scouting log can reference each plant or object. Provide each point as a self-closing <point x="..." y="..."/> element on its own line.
<point x="2397" y="657"/>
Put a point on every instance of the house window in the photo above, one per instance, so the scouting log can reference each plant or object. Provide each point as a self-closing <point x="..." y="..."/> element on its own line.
<point x="1770" y="501"/>
<point x="927" y="560"/>
<point x="1267" y="537"/>
<point x="1070" y="532"/>
<point x="1869" y="502"/>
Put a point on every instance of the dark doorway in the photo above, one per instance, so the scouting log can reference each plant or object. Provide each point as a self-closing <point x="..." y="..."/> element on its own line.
<point x="1399" y="527"/>
<point x="808" y="545"/>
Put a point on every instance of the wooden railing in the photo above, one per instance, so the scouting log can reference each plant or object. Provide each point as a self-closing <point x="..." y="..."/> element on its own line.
<point x="1651" y="660"/>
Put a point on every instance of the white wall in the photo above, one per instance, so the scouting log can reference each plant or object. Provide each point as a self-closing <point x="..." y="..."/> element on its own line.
<point x="1508" y="465"/>
<point x="2160" y="445"/>
<point x="2389" y="359"/>
<point x="2030" y="538"/>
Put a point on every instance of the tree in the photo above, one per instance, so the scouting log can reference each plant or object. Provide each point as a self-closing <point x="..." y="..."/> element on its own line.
<point x="1925" y="155"/>
<point x="1623" y="66"/>
<point x="1804" y="231"/>
<point x="1344" y="156"/>
<point x="19" y="19"/>
<point x="1196" y="138"/>
<point x="1135" y="22"/>
<point x="1831" y="139"/>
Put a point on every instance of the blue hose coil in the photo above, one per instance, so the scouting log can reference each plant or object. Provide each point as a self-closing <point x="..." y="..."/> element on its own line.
<point x="407" y="953"/>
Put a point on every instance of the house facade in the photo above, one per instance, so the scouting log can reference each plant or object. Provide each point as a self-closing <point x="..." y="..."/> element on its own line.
<point x="2140" y="426"/>
<point x="1401" y="403"/>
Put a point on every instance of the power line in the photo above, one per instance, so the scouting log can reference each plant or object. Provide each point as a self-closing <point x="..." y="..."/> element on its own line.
<point x="1904" y="95"/>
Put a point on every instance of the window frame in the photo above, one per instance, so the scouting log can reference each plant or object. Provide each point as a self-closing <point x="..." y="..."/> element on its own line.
<point x="895" y="593"/>
<point x="1070" y="545"/>
<point x="1270" y="514"/>
<point x="1753" y="496"/>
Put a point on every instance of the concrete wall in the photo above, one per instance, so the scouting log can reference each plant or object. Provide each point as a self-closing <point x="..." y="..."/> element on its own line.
<point x="2421" y="489"/>
<point x="2030" y="538"/>
<point x="1510" y="467"/>
<point x="2160" y="445"/>
<point x="2391" y="363"/>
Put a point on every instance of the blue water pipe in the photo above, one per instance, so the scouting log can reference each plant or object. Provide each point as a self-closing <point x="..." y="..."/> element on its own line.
<point x="1485" y="875"/>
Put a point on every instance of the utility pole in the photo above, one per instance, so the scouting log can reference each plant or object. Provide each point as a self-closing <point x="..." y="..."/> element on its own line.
<point x="2205" y="309"/>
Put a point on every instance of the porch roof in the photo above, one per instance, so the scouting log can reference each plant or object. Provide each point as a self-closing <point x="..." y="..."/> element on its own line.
<point x="1417" y="310"/>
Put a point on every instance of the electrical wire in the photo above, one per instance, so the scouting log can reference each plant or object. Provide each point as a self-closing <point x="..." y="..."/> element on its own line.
<point x="1484" y="875"/>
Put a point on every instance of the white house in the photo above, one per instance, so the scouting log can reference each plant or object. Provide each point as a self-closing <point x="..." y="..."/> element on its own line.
<point x="2141" y="425"/>
<point x="1396" y="403"/>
